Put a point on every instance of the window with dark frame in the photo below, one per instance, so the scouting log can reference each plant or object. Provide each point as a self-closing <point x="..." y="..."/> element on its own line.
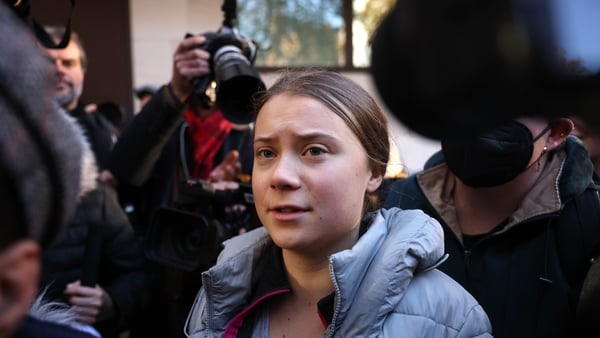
<point x="326" y="33"/>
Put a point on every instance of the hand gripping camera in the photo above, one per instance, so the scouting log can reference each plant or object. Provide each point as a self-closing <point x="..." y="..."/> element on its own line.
<point x="231" y="62"/>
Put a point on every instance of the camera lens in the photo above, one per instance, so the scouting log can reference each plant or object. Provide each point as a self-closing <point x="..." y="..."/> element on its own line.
<point x="183" y="240"/>
<point x="237" y="83"/>
<point x="189" y="243"/>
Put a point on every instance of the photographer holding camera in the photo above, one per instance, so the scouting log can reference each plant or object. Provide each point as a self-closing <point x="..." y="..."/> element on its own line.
<point x="177" y="136"/>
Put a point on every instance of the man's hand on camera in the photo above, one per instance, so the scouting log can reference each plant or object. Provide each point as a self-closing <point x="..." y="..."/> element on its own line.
<point x="189" y="62"/>
<point x="228" y="170"/>
<point x="225" y="185"/>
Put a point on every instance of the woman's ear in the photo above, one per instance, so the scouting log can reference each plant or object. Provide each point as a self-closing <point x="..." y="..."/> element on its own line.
<point x="561" y="128"/>
<point x="375" y="180"/>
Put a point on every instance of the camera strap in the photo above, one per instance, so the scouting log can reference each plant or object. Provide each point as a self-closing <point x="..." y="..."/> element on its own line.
<point x="183" y="151"/>
<point x="23" y="9"/>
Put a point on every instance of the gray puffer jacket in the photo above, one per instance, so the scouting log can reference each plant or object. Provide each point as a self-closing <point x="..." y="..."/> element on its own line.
<point x="386" y="285"/>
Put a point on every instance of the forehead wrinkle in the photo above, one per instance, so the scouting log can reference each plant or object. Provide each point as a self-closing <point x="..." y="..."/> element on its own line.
<point x="300" y="120"/>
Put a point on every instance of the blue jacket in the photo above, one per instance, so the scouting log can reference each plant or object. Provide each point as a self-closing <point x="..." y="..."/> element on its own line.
<point x="386" y="285"/>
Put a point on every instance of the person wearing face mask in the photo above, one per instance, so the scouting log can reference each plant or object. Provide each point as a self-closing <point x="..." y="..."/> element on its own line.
<point x="521" y="219"/>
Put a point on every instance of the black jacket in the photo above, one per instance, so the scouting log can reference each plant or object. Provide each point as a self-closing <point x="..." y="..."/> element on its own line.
<point x="98" y="132"/>
<point x="528" y="272"/>
<point x="99" y="246"/>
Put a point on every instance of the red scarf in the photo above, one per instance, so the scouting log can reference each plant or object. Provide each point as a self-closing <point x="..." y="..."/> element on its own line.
<point x="207" y="136"/>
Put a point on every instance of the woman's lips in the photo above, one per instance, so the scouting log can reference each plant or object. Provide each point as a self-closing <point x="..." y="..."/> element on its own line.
<point x="287" y="212"/>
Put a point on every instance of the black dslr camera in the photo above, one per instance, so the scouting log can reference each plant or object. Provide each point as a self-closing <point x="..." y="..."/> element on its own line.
<point x="189" y="236"/>
<point x="232" y="57"/>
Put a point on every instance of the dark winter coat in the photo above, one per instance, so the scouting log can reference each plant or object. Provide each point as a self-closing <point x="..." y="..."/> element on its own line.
<point x="528" y="272"/>
<point x="98" y="246"/>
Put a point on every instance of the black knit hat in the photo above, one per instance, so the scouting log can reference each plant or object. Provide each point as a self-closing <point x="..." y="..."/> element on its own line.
<point x="40" y="147"/>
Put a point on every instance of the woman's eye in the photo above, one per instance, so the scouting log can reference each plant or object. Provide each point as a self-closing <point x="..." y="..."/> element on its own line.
<point x="315" y="151"/>
<point x="265" y="153"/>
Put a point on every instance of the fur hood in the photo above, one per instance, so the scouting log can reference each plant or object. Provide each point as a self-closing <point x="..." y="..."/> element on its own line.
<point x="89" y="167"/>
<point x="40" y="151"/>
<point x="58" y="313"/>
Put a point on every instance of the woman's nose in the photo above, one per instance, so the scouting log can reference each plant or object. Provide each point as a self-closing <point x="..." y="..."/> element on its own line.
<point x="285" y="174"/>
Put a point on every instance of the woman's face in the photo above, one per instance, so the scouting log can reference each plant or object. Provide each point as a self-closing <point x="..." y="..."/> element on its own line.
<point x="310" y="176"/>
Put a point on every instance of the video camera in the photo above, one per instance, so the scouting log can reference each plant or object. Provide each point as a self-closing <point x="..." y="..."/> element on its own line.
<point x="232" y="57"/>
<point x="190" y="235"/>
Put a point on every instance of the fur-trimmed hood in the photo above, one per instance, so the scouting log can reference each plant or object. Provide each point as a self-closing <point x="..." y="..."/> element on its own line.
<point x="89" y="167"/>
<point x="59" y="313"/>
<point x="40" y="155"/>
